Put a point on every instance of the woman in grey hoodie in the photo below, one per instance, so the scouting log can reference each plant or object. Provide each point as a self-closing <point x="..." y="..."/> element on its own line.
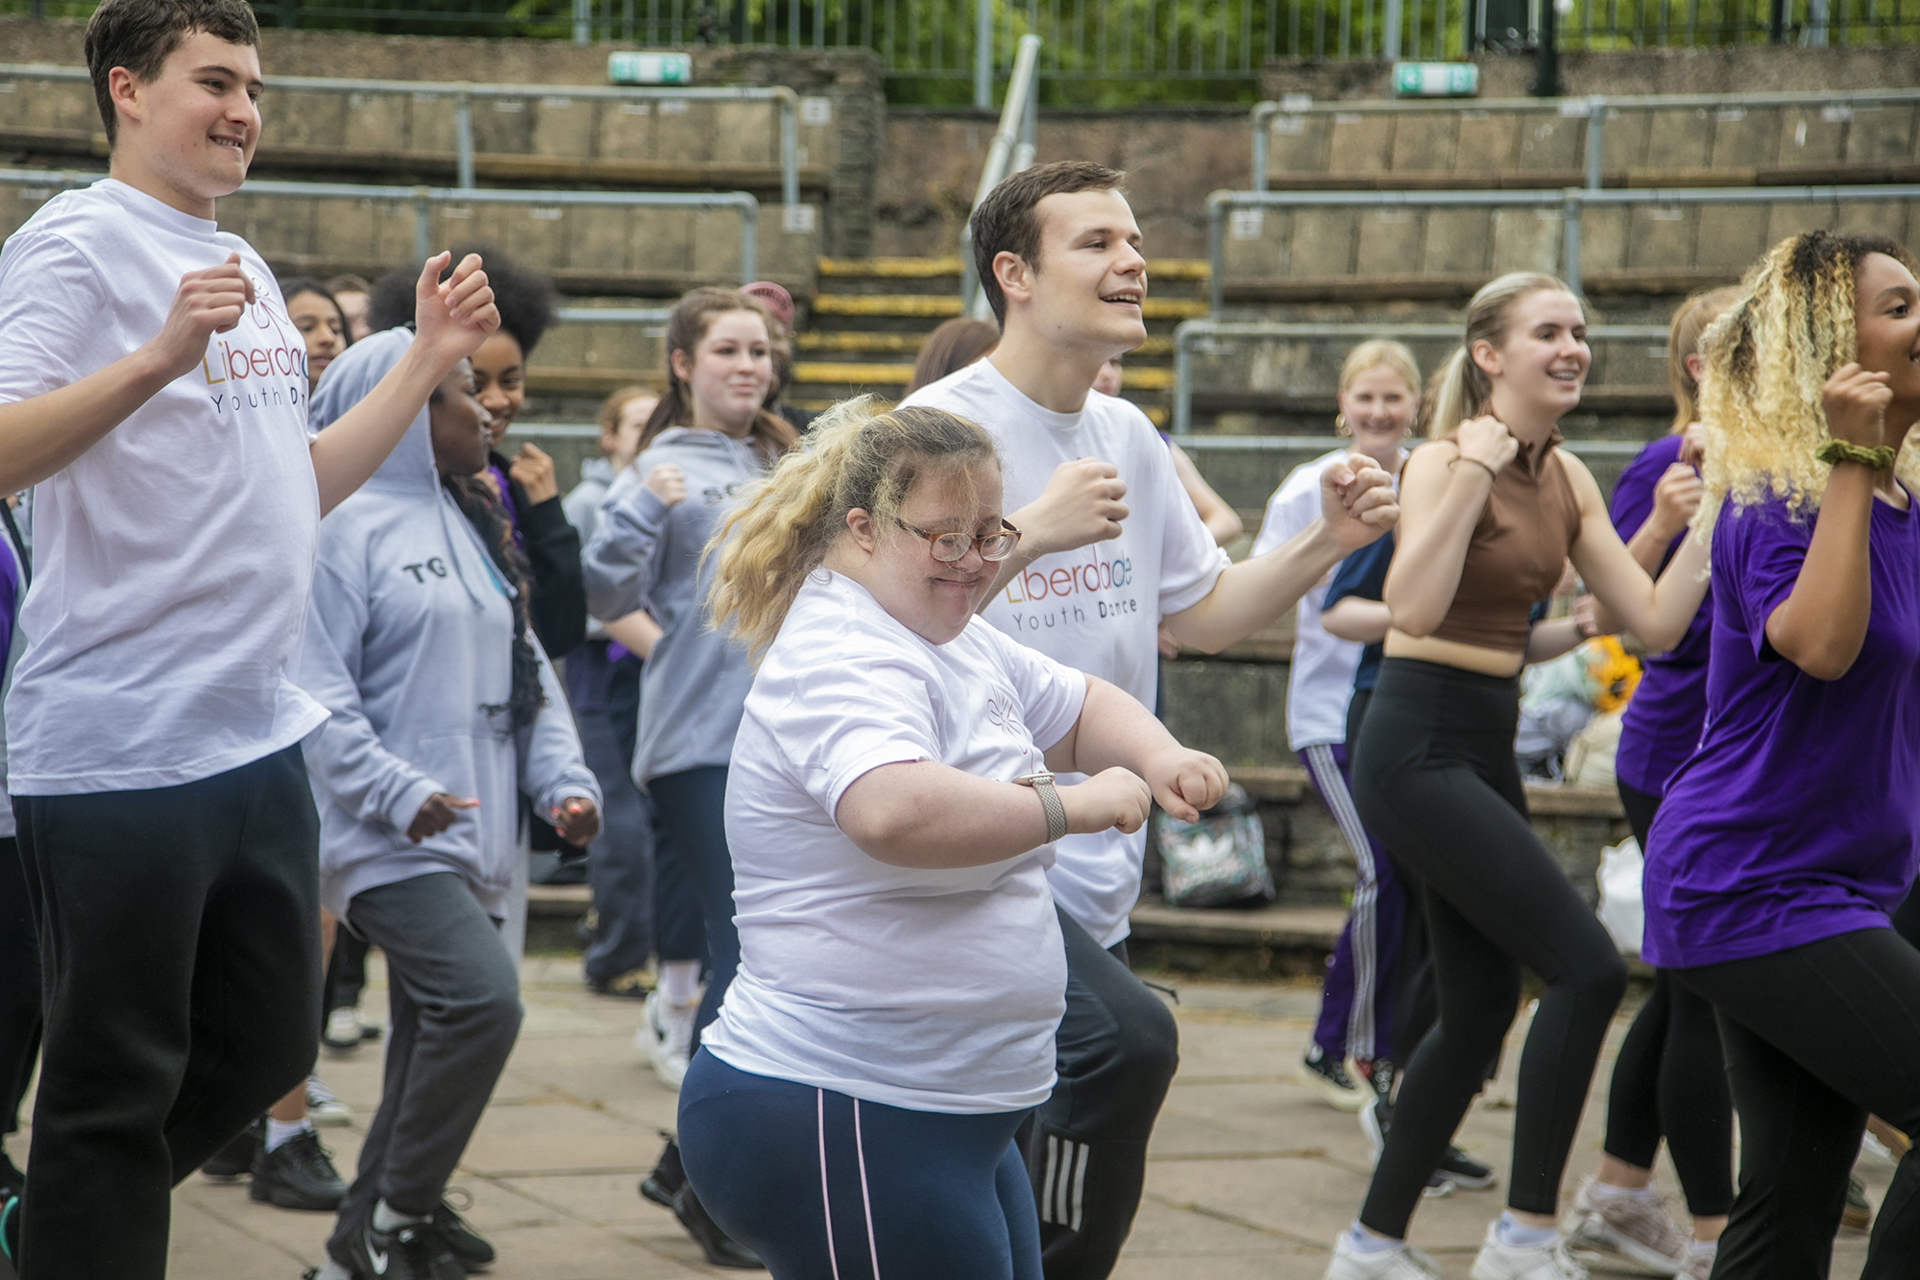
<point x="443" y="708"/>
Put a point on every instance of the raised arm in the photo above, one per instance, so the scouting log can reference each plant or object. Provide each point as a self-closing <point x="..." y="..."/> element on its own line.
<point x="1820" y="627"/>
<point x="451" y="319"/>
<point x="1080" y="505"/>
<point x="1357" y="506"/>
<point x="1443" y="490"/>
<point x="621" y="562"/>
<point x="1657" y="612"/>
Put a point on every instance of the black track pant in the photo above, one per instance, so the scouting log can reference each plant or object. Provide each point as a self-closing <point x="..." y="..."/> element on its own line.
<point x="1435" y="780"/>
<point x="1414" y="1004"/>
<point x="19" y="987"/>
<point x="180" y="947"/>
<point x="1086" y="1146"/>
<point x="1816" y="1037"/>
<point x="1670" y="1080"/>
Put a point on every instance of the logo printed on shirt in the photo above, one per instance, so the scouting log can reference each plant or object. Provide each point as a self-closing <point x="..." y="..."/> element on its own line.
<point x="432" y="564"/>
<point x="243" y="369"/>
<point x="1095" y="590"/>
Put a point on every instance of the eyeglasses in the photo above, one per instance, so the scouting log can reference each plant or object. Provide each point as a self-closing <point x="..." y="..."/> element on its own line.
<point x="949" y="547"/>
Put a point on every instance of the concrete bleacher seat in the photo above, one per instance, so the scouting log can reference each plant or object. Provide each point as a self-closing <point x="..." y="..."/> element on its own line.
<point x="1531" y="144"/>
<point x="546" y="136"/>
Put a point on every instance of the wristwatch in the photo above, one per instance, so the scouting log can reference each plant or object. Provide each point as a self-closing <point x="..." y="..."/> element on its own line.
<point x="1042" y="784"/>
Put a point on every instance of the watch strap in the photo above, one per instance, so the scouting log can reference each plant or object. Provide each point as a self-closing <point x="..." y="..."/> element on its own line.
<point x="1042" y="784"/>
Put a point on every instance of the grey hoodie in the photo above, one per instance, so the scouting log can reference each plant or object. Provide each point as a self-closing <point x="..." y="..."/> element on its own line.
<point x="408" y="644"/>
<point x="646" y="554"/>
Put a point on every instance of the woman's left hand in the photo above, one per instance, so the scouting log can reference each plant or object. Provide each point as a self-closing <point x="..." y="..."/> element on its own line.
<point x="577" y="819"/>
<point x="1185" y="782"/>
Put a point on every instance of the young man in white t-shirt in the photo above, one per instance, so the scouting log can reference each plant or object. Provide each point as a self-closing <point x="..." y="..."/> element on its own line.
<point x="154" y="390"/>
<point x="1058" y="255"/>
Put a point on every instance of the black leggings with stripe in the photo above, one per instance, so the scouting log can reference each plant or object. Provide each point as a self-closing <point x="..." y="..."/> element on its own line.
<point x="826" y="1187"/>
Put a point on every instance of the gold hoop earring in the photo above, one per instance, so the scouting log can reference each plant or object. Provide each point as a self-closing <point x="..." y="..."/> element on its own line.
<point x="1340" y="425"/>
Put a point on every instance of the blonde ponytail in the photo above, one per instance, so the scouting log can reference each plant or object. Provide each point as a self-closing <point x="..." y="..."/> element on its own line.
<point x="783" y="526"/>
<point x="1463" y="386"/>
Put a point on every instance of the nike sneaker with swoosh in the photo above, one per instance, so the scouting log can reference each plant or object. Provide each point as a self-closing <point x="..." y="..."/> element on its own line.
<point x="411" y="1251"/>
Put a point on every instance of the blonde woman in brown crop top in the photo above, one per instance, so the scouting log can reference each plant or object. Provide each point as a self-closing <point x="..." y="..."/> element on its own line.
<point x="1491" y="511"/>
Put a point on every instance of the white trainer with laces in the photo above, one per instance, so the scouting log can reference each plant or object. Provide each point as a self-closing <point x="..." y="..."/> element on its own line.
<point x="1604" y="1229"/>
<point x="1403" y="1263"/>
<point x="1549" y="1261"/>
<point x="665" y="1038"/>
<point x="1698" y="1264"/>
<point x="323" y="1109"/>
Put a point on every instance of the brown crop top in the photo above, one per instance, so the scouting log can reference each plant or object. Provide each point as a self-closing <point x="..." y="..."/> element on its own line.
<point x="1518" y="551"/>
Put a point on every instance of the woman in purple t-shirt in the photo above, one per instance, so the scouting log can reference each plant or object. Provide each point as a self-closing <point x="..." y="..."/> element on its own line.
<point x="1669" y="1080"/>
<point x="1789" y="835"/>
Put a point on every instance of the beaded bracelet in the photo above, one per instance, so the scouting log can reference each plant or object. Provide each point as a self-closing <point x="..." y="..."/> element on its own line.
<point x="1834" y="452"/>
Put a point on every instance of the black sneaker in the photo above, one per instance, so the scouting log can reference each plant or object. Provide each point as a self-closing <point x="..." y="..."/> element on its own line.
<point x="236" y="1158"/>
<point x="469" y="1248"/>
<point x="298" y="1174"/>
<point x="664" y="1183"/>
<point x="1379" y="1075"/>
<point x="721" y="1249"/>
<point x="411" y="1251"/>
<point x="635" y="984"/>
<point x="1465" y="1172"/>
<point x="1328" y="1077"/>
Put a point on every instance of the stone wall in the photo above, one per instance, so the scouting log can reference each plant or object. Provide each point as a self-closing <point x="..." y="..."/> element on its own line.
<point x="849" y="79"/>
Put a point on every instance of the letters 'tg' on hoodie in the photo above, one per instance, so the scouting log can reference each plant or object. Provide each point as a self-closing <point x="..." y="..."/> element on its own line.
<point x="408" y="644"/>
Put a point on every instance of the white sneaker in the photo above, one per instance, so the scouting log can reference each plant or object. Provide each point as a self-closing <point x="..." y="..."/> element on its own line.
<point x="1605" y="1229"/>
<point x="665" y="1038"/>
<point x="1498" y="1261"/>
<point x="1404" y="1263"/>
<point x="1698" y="1264"/>
<point x="323" y="1109"/>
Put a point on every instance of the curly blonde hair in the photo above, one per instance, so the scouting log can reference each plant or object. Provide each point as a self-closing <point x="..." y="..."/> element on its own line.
<point x="1765" y="360"/>
<point x="856" y="457"/>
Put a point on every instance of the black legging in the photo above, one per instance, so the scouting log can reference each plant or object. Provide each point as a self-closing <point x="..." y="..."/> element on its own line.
<point x="1670" y="1080"/>
<point x="19" y="992"/>
<point x="1435" y="780"/>
<point x="1816" y="1037"/>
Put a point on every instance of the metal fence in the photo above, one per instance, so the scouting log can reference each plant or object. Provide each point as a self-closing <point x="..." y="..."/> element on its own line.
<point x="1190" y="333"/>
<point x="425" y="199"/>
<point x="1141" y="48"/>
<point x="1571" y="202"/>
<point x="785" y="101"/>
<point x="1595" y="110"/>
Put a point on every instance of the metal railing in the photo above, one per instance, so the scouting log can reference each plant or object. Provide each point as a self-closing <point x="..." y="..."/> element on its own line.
<point x="1594" y="109"/>
<point x="785" y="100"/>
<point x="425" y="199"/>
<point x="1571" y="201"/>
<point x="1010" y="152"/>
<point x="1190" y="332"/>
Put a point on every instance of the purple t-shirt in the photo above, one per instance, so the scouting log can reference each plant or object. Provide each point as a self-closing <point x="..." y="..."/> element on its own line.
<point x="1663" y="720"/>
<point x="1796" y="818"/>
<point x="9" y="593"/>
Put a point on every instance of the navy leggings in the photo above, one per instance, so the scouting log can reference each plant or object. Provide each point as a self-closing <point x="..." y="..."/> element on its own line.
<point x="690" y="809"/>
<point x="826" y="1187"/>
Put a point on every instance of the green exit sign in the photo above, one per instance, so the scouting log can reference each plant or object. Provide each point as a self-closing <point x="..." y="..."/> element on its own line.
<point x="1435" y="79"/>
<point x="649" y="68"/>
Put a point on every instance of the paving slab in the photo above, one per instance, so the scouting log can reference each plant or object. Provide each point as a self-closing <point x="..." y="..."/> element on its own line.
<point x="1250" y="1173"/>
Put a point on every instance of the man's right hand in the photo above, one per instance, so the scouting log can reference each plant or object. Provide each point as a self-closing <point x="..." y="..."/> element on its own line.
<point x="207" y="302"/>
<point x="436" y="815"/>
<point x="1080" y="505"/>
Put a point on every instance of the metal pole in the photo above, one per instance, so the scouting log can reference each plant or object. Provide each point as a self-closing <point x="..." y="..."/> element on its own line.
<point x="1815" y="36"/>
<point x="1596" y="139"/>
<point x="1183" y="378"/>
<point x="749" y="241"/>
<point x="1570" y="240"/>
<point x="1216" y="252"/>
<point x="1000" y="153"/>
<point x="1390" y="33"/>
<point x="1262" y="122"/>
<point x="789" y="149"/>
<point x="463" y="137"/>
<point x="582" y="21"/>
<point x="983" y="55"/>
<point x="1023" y="150"/>
<point x="422" y="224"/>
<point x="1780" y="13"/>
<point x="1546" y="83"/>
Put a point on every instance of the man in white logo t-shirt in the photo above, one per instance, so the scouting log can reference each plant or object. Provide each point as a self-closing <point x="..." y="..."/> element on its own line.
<point x="154" y="390"/>
<point x="1058" y="255"/>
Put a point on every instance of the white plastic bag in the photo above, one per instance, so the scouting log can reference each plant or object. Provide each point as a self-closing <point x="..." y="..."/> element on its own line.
<point x="1622" y="911"/>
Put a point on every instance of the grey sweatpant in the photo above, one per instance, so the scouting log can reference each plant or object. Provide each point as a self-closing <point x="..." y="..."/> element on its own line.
<point x="453" y="998"/>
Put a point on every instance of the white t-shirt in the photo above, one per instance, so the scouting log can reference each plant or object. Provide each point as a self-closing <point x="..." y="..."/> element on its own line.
<point x="1320" y="675"/>
<point x="929" y="990"/>
<point x="174" y="557"/>
<point x="1098" y="608"/>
